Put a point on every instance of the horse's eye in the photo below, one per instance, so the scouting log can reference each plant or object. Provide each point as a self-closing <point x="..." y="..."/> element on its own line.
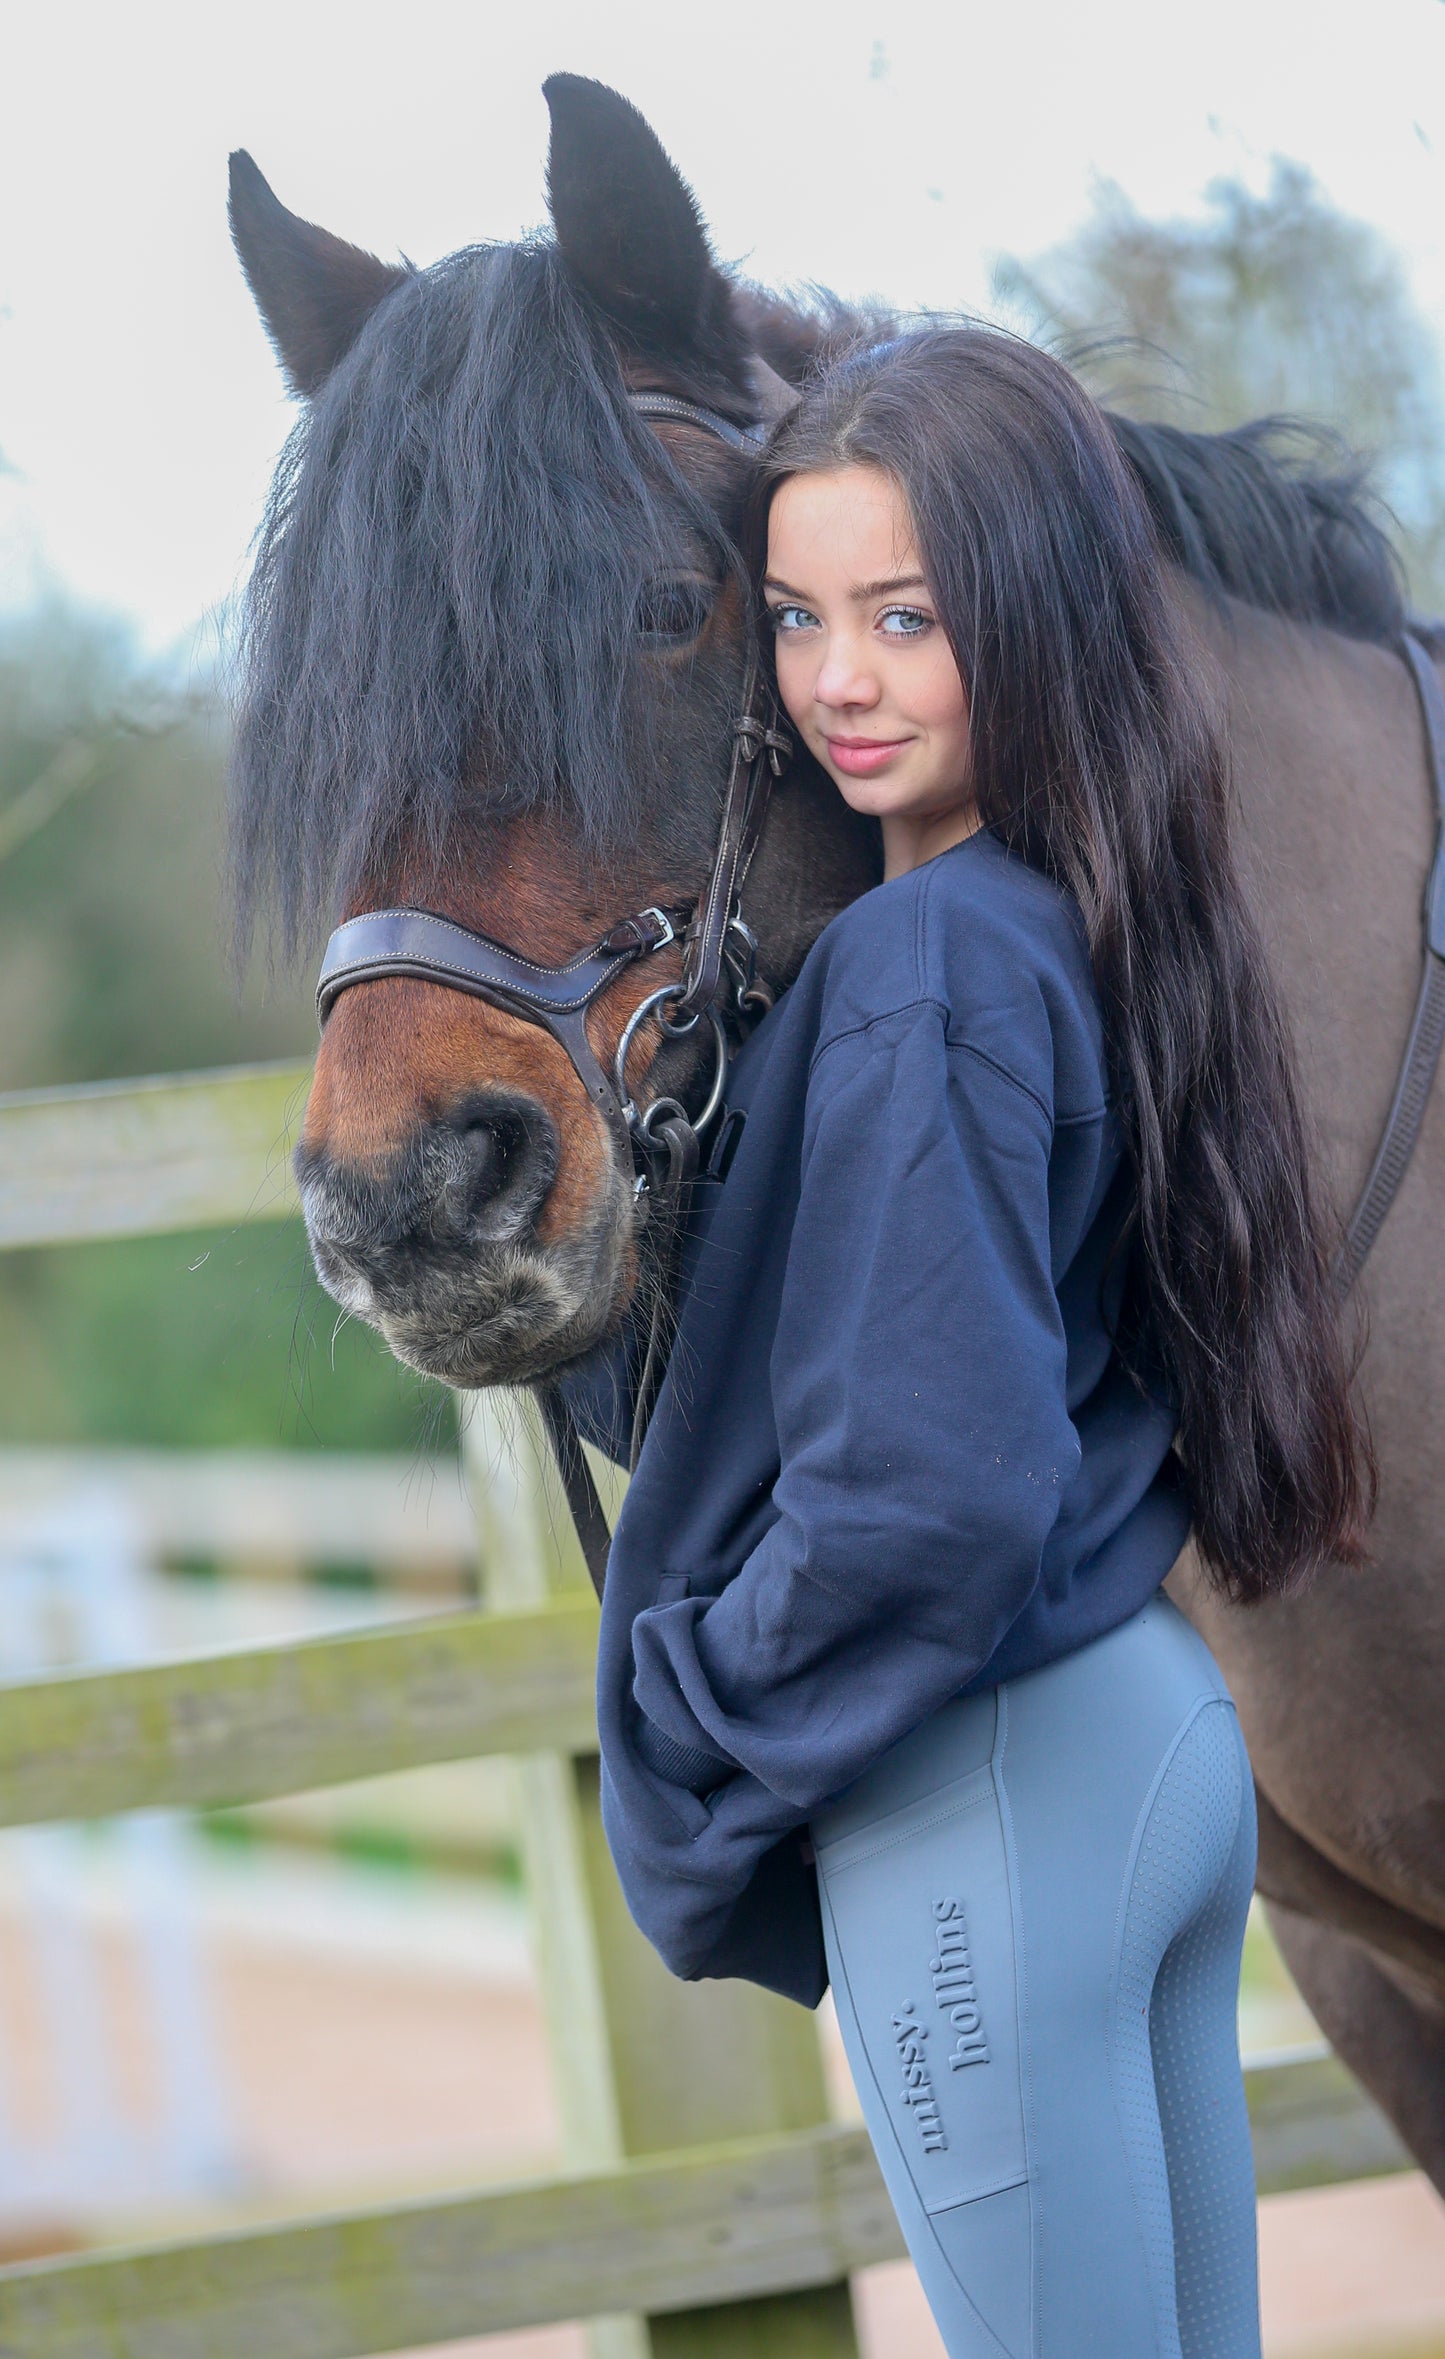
<point x="672" y="610"/>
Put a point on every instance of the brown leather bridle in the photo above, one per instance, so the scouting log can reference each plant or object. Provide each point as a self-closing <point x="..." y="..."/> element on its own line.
<point x="717" y="946"/>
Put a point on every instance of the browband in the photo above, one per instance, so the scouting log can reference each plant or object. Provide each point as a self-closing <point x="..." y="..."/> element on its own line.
<point x="749" y="439"/>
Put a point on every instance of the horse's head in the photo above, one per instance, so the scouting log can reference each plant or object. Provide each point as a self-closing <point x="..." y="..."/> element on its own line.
<point x="497" y="636"/>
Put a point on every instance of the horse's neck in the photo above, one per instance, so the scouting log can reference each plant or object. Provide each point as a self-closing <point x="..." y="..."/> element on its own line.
<point x="816" y="857"/>
<point x="1335" y="825"/>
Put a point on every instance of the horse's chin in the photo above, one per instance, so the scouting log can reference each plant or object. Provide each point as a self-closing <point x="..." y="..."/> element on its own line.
<point x="510" y="1315"/>
<point x="519" y="1342"/>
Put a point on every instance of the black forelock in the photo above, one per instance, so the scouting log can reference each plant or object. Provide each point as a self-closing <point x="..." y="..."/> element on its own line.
<point x="448" y="568"/>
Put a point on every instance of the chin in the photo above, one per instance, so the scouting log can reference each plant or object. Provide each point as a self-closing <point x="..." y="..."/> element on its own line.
<point x="874" y="798"/>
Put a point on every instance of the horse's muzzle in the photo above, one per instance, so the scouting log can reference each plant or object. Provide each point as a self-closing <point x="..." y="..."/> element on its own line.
<point x="438" y="1245"/>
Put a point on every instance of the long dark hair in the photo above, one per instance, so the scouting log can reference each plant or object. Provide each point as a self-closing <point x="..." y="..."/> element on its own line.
<point x="1097" y="757"/>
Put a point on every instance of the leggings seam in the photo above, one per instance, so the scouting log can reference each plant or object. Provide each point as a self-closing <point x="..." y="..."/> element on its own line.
<point x="1141" y="1825"/>
<point x="1126" y="1889"/>
<point x="976" y="2194"/>
<point x="886" y="2120"/>
<point x="906" y="1834"/>
<point x="1006" y="1828"/>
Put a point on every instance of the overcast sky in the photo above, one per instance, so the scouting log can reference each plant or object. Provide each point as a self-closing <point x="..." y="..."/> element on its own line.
<point x="890" y="151"/>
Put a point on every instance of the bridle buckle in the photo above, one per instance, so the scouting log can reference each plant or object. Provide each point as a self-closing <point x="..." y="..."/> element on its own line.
<point x="667" y="930"/>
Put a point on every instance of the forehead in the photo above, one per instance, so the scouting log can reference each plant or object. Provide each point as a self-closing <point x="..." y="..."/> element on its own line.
<point x="843" y="524"/>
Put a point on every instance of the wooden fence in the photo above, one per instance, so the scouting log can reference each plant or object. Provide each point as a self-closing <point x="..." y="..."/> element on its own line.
<point x="711" y="2209"/>
<point x="281" y="1516"/>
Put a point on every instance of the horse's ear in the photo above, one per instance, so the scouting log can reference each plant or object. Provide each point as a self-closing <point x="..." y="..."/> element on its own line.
<point x="630" y="233"/>
<point x="313" y="291"/>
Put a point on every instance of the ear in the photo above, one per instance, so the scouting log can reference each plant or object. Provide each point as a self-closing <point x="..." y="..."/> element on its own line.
<point x="631" y="236"/>
<point x="313" y="291"/>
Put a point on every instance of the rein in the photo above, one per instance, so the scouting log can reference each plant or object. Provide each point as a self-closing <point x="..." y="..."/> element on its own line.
<point x="660" y="1140"/>
<point x="1427" y="1026"/>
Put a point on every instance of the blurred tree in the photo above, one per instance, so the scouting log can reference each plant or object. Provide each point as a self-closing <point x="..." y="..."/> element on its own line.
<point x="112" y="924"/>
<point x="1266" y="304"/>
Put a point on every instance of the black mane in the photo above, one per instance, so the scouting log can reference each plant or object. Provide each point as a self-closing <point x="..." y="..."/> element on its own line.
<point x="1275" y="514"/>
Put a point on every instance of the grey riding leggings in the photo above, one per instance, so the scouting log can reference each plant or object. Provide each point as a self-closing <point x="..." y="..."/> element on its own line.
<point x="1033" y="1908"/>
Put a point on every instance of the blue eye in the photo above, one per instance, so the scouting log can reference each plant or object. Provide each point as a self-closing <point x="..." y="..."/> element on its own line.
<point x="792" y="618"/>
<point x="904" y="622"/>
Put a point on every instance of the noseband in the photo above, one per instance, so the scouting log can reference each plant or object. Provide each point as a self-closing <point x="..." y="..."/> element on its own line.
<point x="660" y="1140"/>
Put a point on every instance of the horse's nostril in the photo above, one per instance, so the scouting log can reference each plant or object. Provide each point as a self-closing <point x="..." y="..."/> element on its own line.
<point x="490" y="1152"/>
<point x="500" y="1161"/>
<point x="471" y="1177"/>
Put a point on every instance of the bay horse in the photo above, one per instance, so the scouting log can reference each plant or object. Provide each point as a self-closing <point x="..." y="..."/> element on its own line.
<point x="497" y="631"/>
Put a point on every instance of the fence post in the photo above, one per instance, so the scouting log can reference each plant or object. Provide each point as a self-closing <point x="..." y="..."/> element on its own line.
<point x="641" y="2061"/>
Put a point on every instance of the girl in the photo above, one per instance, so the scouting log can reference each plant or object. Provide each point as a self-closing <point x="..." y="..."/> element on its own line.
<point x="1013" y="1278"/>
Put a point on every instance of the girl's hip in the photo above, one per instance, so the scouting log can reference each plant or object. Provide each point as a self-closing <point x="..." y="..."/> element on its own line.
<point x="1079" y="1742"/>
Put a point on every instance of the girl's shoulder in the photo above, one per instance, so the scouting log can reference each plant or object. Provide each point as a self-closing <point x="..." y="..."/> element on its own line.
<point x="990" y="946"/>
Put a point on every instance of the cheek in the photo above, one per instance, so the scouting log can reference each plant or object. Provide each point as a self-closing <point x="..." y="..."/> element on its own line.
<point x="940" y="698"/>
<point x="797" y="669"/>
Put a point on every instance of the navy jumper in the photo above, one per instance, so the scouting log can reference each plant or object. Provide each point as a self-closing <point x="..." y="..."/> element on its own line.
<point x="896" y="1457"/>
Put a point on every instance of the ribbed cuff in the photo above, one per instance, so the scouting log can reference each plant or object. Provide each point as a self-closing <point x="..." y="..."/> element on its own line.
<point x="680" y="1765"/>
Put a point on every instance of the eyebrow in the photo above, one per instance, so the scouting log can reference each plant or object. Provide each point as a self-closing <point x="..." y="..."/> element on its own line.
<point x="864" y="591"/>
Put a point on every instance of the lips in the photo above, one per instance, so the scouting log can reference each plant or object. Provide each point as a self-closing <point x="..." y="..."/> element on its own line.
<point x="860" y="757"/>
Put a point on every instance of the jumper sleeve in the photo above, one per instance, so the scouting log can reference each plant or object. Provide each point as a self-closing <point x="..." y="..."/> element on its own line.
<point x="918" y="1384"/>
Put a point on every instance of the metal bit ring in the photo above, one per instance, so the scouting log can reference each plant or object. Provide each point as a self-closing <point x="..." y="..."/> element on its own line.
<point x="639" y="1015"/>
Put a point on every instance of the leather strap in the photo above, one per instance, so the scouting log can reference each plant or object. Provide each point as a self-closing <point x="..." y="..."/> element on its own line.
<point x="594" y="1534"/>
<point x="748" y="439"/>
<point x="681" y="1143"/>
<point x="1427" y="1028"/>
<point x="436" y="950"/>
<point x="760" y="751"/>
<point x="1432" y="705"/>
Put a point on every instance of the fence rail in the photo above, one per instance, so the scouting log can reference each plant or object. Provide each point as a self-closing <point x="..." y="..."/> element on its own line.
<point x="679" y="2231"/>
<point x="137" y="1158"/>
<point x="265" y="1509"/>
<point x="734" y="2244"/>
<point x="245" y="1726"/>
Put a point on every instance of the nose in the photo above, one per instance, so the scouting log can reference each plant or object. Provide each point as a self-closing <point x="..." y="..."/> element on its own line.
<point x="846" y="680"/>
<point x="472" y="1175"/>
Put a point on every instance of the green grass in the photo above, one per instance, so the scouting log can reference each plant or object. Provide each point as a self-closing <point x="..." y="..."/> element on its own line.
<point x="212" y="1340"/>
